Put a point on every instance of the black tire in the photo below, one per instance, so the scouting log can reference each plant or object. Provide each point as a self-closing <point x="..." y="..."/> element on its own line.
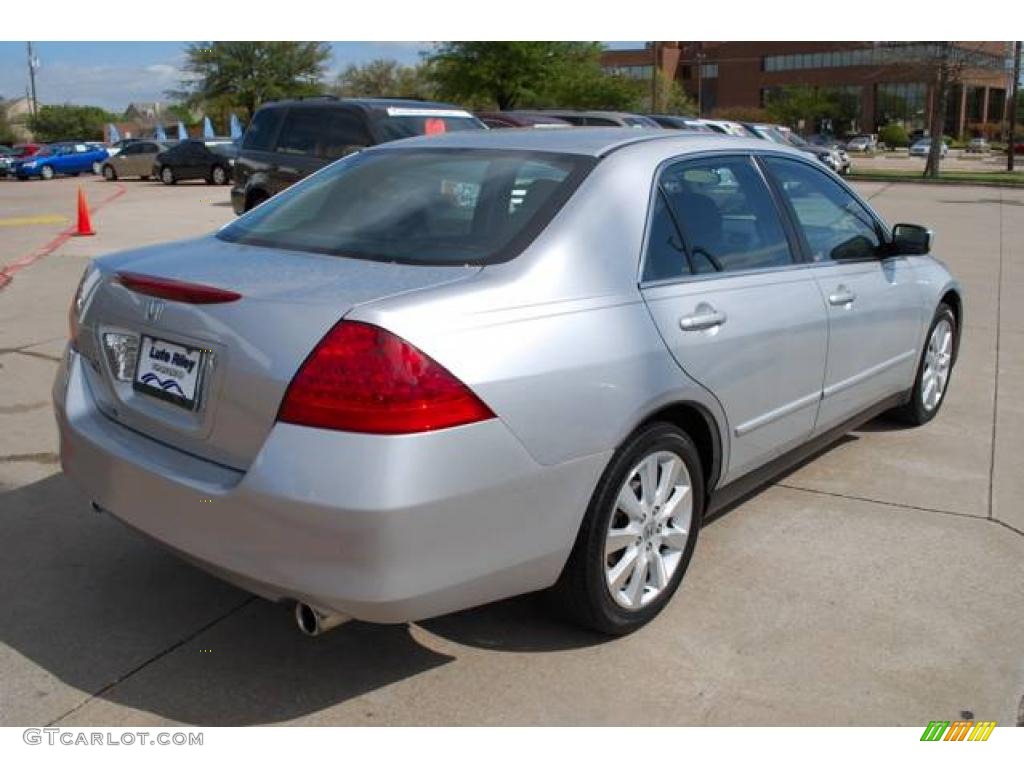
<point x="109" y="173"/>
<point x="167" y="175"/>
<point x="582" y="591"/>
<point x="75" y="173"/>
<point x="219" y="175"/>
<point x="915" y="412"/>
<point x="46" y="173"/>
<point x="97" y="168"/>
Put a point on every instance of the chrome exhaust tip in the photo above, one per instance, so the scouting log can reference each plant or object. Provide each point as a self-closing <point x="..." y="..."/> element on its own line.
<point x="312" y="621"/>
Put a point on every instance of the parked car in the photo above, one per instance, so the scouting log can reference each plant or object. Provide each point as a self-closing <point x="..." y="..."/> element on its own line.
<point x="288" y="140"/>
<point x="520" y="119"/>
<point x="439" y="374"/>
<point x="728" y="127"/>
<point x="601" y="118"/>
<point x="922" y="147"/>
<point x="67" y="158"/>
<point x="862" y="143"/>
<point x="979" y="144"/>
<point x="825" y="140"/>
<point x="208" y="159"/>
<point x="7" y="156"/>
<point x="836" y="159"/>
<point x="682" y="123"/>
<point x="1018" y="147"/>
<point x="136" y="158"/>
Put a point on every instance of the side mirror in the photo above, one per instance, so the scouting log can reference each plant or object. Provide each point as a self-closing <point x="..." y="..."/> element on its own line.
<point x="911" y="239"/>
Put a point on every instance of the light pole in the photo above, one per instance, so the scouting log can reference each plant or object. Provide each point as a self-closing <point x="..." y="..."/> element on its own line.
<point x="1014" y="88"/>
<point x="33" y="62"/>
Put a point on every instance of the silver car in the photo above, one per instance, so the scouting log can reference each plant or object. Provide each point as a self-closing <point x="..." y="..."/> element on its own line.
<point x="134" y="159"/>
<point x="452" y="369"/>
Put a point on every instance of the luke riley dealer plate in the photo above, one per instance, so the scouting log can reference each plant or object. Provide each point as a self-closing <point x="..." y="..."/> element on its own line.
<point x="168" y="371"/>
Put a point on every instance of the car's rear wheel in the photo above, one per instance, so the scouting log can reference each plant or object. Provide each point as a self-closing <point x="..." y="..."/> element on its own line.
<point x="638" y="535"/>
<point x="97" y="168"/>
<point x="167" y="175"/>
<point x="218" y="175"/>
<point x="109" y="173"/>
<point x="933" y="370"/>
<point x="46" y="172"/>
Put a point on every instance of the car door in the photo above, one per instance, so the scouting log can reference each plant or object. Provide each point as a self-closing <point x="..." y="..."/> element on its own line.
<point x="738" y="310"/>
<point x="125" y="162"/>
<point x="874" y="303"/>
<point x="299" y="143"/>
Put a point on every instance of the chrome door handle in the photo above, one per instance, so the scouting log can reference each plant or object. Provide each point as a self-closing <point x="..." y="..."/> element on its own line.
<point x="705" y="317"/>
<point x="842" y="297"/>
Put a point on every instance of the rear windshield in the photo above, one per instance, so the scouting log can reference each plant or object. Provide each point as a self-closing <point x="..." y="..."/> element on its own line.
<point x="418" y="206"/>
<point x="402" y="123"/>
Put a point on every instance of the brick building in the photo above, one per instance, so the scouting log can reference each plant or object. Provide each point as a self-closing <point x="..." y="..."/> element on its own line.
<point x="876" y="82"/>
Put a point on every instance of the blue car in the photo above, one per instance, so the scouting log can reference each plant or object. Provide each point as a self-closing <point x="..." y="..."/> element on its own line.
<point x="66" y="157"/>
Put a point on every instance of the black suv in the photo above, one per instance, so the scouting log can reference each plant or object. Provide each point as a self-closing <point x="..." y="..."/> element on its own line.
<point x="288" y="140"/>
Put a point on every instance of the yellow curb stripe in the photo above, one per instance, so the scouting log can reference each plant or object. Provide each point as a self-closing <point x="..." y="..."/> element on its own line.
<point x="23" y="221"/>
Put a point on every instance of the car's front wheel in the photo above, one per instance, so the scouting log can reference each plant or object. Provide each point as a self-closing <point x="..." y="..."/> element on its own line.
<point x="46" y="172"/>
<point x="109" y="173"/>
<point x="933" y="369"/>
<point x="638" y="535"/>
<point x="218" y="175"/>
<point x="167" y="175"/>
<point x="97" y="168"/>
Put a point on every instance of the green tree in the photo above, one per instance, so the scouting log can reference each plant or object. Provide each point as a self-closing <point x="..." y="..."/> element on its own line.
<point x="511" y="73"/>
<point x="894" y="135"/>
<point x="68" y="121"/>
<point x="791" y="104"/>
<point x="250" y="73"/>
<point x="7" y="135"/>
<point x="385" y="77"/>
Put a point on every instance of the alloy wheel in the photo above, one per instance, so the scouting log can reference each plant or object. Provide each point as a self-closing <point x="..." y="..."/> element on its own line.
<point x="938" y="359"/>
<point x="648" y="530"/>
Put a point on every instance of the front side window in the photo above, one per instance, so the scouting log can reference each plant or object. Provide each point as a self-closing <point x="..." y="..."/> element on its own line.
<point x="834" y="223"/>
<point x="728" y="219"/>
<point x="262" y="130"/>
<point x="418" y="206"/>
<point x="345" y="134"/>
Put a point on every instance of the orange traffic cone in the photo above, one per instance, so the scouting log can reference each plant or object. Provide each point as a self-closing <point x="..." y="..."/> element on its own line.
<point x="84" y="222"/>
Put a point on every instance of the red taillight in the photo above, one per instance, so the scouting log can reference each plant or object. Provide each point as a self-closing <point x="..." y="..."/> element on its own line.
<point x="361" y="378"/>
<point x="175" y="290"/>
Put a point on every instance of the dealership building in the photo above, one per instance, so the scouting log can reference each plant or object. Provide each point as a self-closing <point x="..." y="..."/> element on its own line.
<point x="877" y="82"/>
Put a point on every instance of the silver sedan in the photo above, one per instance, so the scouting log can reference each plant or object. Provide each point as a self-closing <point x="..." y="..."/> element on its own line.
<point x="457" y="368"/>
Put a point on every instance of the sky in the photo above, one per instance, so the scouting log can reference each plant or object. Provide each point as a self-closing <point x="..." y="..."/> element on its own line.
<point x="113" y="75"/>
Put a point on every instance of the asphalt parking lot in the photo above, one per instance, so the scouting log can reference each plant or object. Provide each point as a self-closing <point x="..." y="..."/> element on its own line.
<point x="880" y="584"/>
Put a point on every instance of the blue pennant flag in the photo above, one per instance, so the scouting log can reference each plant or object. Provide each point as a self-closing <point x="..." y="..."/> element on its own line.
<point x="207" y="128"/>
<point x="182" y="133"/>
<point x="115" y="135"/>
<point x="236" y="127"/>
<point x="161" y="134"/>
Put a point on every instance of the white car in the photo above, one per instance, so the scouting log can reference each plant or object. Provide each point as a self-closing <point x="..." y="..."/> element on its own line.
<point x="922" y="147"/>
<point x="727" y="127"/>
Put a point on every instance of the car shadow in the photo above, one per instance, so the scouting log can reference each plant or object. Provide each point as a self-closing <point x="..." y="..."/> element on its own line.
<point x="113" y="615"/>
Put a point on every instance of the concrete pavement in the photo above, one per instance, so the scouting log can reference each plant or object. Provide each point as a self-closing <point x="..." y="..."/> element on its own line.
<point x="881" y="583"/>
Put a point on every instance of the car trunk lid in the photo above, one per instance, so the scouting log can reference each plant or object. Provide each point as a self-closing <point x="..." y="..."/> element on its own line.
<point x="234" y="349"/>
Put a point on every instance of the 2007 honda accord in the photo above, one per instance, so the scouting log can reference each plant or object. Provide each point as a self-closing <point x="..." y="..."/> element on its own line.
<point x="453" y="369"/>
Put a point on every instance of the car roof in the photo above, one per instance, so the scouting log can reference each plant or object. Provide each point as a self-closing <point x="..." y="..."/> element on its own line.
<point x="365" y="104"/>
<point x="593" y="142"/>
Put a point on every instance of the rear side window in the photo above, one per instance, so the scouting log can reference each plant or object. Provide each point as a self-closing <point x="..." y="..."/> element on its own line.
<point x="401" y="122"/>
<point x="728" y="219"/>
<point x="261" y="132"/>
<point x="303" y="131"/>
<point x="834" y="223"/>
<point x="345" y="134"/>
<point x="418" y="206"/>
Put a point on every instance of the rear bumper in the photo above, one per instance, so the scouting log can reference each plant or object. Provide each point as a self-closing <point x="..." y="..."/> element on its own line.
<point x="385" y="529"/>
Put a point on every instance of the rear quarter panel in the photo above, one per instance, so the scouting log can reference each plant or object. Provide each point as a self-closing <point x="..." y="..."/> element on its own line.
<point x="558" y="341"/>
